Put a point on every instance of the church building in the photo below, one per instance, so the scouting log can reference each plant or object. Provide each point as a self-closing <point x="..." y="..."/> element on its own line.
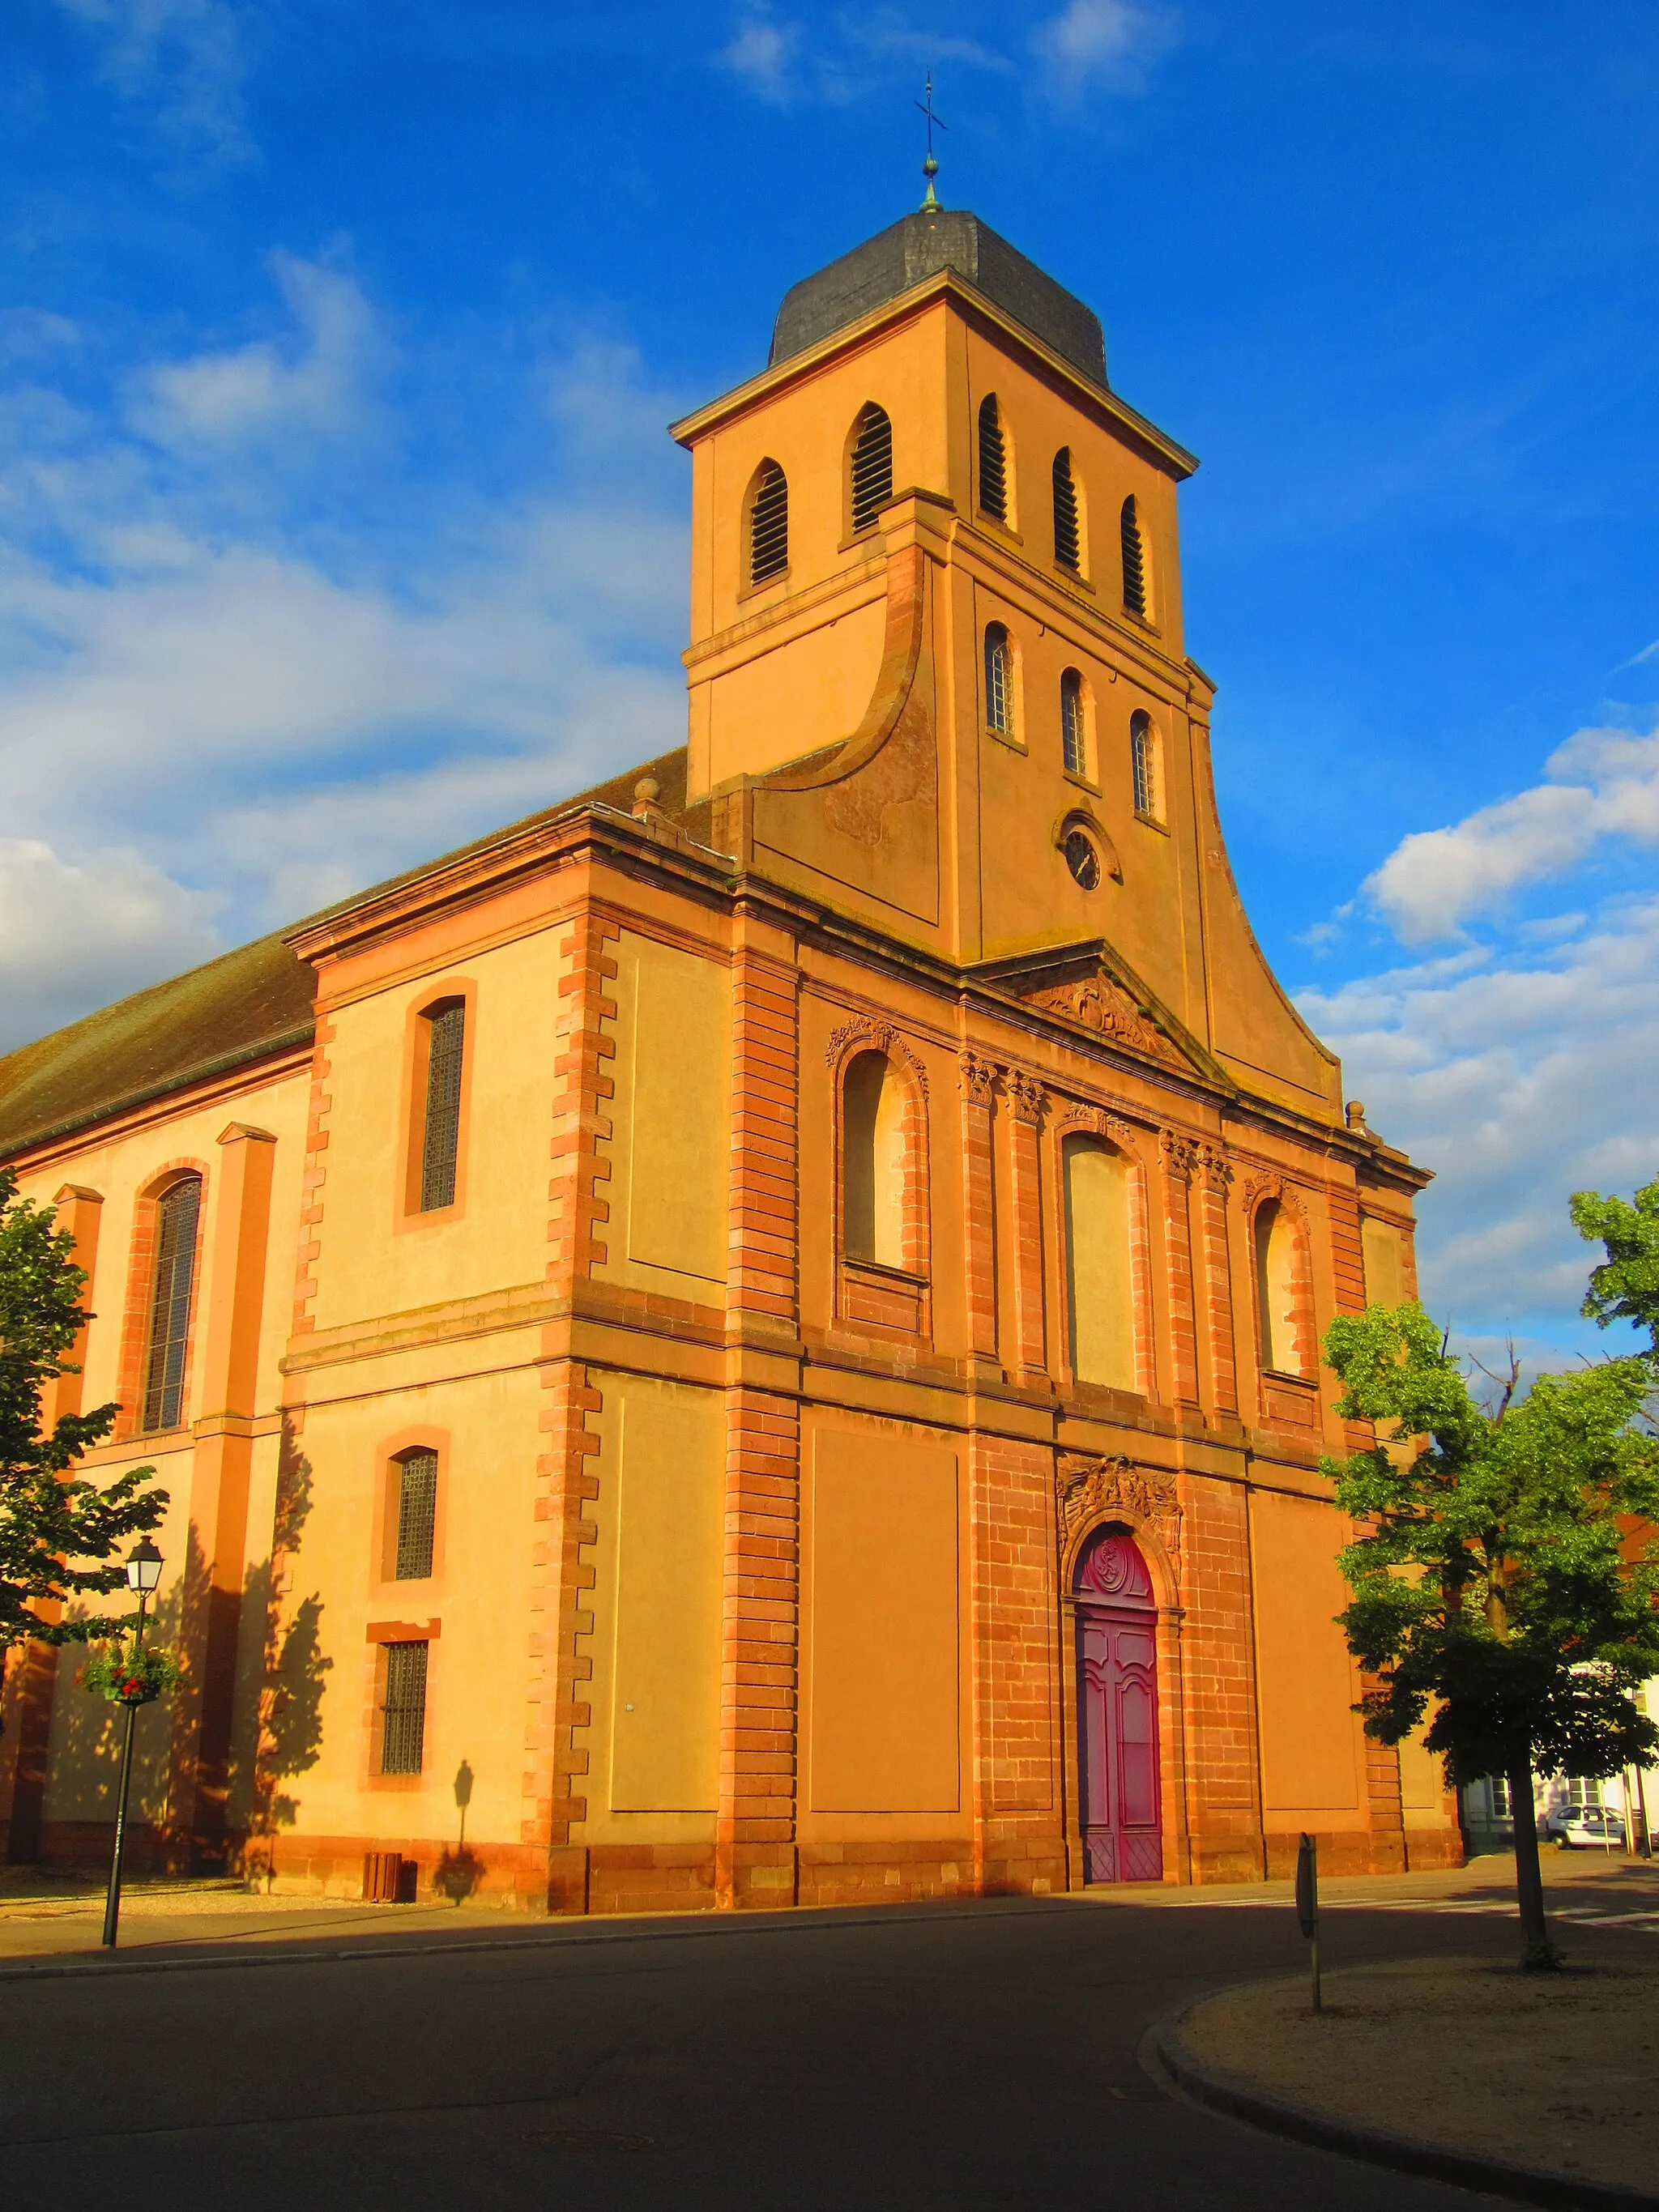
<point x="753" y="1339"/>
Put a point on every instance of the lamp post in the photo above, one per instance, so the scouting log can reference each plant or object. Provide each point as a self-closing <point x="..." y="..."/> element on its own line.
<point x="143" y="1573"/>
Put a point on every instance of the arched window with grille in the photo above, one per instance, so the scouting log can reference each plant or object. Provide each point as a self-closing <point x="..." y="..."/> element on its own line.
<point x="1135" y="597"/>
<point x="443" y="1041"/>
<point x="1069" y="515"/>
<point x="992" y="461"/>
<point x="1074" y="723"/>
<point x="1145" y="767"/>
<point x="178" y="1212"/>
<point x="870" y="483"/>
<point x="999" y="681"/>
<point x="874" y="1161"/>
<point x="415" y="1500"/>
<point x="768" y="524"/>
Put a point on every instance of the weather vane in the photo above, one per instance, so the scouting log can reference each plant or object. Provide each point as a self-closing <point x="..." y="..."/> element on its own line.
<point x="930" y="167"/>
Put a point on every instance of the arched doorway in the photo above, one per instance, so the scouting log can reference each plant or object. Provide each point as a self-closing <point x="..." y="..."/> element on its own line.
<point x="1117" y="1710"/>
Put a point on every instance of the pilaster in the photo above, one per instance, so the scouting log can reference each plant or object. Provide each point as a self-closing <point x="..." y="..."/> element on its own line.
<point x="1178" y="1156"/>
<point x="1027" y="1104"/>
<point x="978" y="1080"/>
<point x="1215" y="1177"/>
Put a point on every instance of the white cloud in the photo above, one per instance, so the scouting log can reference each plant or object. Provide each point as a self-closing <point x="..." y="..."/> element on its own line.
<point x="1518" y="1079"/>
<point x="761" y="54"/>
<point x="184" y="61"/>
<point x="1110" y="42"/>
<point x="209" y="657"/>
<point x="1603" y="783"/>
<point x="312" y="381"/>
<point x="75" y="934"/>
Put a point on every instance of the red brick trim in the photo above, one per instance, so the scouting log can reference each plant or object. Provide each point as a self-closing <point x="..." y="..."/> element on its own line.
<point x="1179" y="1154"/>
<point x="1215" y="1177"/>
<point x="1028" y="1104"/>
<point x="312" y="1179"/>
<point x="581" y="1114"/>
<point x="977" y="1079"/>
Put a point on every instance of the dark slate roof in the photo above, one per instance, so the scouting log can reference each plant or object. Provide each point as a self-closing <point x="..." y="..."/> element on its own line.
<point x="918" y="246"/>
<point x="245" y="1007"/>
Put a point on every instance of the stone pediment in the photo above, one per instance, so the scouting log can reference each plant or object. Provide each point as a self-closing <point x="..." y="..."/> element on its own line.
<point x="1090" y="986"/>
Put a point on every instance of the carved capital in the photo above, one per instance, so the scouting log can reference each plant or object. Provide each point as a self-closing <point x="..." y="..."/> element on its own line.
<point x="1180" y="1155"/>
<point x="978" y="1078"/>
<point x="1218" y="1168"/>
<point x="1027" y="1099"/>
<point x="1090" y="1490"/>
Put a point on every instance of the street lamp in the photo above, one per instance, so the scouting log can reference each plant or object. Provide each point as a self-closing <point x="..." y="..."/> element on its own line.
<point x="143" y="1573"/>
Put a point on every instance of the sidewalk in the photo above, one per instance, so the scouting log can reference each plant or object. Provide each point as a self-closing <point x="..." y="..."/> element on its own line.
<point x="1554" y="2074"/>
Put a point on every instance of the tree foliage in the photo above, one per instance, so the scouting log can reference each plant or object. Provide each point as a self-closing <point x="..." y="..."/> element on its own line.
<point x="59" y="1531"/>
<point x="1625" y="1286"/>
<point x="1494" y="1581"/>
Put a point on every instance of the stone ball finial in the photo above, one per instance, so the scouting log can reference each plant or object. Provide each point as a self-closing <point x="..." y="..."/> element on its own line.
<point x="647" y="791"/>
<point x="1356" y="1114"/>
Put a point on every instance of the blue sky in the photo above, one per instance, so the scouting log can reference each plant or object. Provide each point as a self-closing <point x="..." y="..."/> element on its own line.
<point x="338" y="520"/>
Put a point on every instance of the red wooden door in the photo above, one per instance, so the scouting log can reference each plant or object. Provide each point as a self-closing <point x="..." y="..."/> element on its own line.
<point x="1117" y="1700"/>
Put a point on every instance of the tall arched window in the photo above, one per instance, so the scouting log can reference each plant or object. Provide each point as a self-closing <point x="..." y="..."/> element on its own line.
<point x="1068" y="526"/>
<point x="999" y="680"/>
<point x="1284" y="1290"/>
<point x="1073" y="734"/>
<point x="177" y="1213"/>
<point x="1143" y="767"/>
<point x="1134" y="559"/>
<point x="445" y="1025"/>
<point x="1099" y="1282"/>
<point x="992" y="461"/>
<point x="873" y="1162"/>
<point x="416" y="1502"/>
<point x="871" y="465"/>
<point x="768" y="523"/>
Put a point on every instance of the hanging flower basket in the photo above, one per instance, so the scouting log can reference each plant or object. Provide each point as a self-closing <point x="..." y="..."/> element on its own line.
<point x="132" y="1676"/>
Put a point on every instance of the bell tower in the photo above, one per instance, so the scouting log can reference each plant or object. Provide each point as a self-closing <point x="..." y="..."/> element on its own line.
<point x="937" y="673"/>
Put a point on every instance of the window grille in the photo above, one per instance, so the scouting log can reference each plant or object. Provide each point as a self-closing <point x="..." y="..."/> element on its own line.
<point x="999" y="690"/>
<point x="992" y="461"/>
<point x="169" y="1313"/>
<point x="403" y="1737"/>
<point x="1082" y="860"/>
<point x="1135" y="560"/>
<point x="446" y="1041"/>
<point x="1141" y="761"/>
<point x="417" y="1513"/>
<point x="873" y="465"/>
<point x="769" y="524"/>
<point x="1071" y="722"/>
<point x="1068" y="536"/>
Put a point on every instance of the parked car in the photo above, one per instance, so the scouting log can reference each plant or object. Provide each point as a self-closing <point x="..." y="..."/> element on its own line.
<point x="1587" y="1827"/>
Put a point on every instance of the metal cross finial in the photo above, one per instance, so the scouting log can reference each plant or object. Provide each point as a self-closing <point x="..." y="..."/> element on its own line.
<point x="930" y="167"/>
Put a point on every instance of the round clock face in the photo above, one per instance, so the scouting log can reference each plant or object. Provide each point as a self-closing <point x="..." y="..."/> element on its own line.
<point x="1082" y="860"/>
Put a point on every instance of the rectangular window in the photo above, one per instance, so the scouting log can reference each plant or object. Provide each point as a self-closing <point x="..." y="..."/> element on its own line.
<point x="169" y="1315"/>
<point x="417" y="1508"/>
<point x="404" y="1738"/>
<point x="1498" y="1786"/>
<point x="445" y="1043"/>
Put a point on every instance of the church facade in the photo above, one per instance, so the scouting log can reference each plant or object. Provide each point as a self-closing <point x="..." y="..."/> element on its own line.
<point x="753" y="1339"/>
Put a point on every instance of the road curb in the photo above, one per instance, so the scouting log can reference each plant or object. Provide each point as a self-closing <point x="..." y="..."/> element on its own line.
<point x="1164" y="2057"/>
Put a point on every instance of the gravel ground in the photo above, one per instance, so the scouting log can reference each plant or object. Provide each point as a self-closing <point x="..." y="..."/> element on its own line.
<point x="1558" y="2072"/>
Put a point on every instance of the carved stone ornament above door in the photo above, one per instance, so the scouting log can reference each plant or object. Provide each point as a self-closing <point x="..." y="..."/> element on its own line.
<point x="1089" y="1490"/>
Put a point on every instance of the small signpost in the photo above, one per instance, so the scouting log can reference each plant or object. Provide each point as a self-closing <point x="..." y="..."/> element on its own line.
<point x="1307" y="1904"/>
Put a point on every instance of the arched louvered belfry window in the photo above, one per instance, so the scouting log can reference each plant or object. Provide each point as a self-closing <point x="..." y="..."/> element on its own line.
<point x="1144" y="766"/>
<point x="999" y="681"/>
<point x="177" y="1213"/>
<point x="769" y="524"/>
<point x="1073" y="734"/>
<point x="871" y="467"/>
<point x="992" y="461"/>
<point x="1134" y="560"/>
<point x="1068" y="522"/>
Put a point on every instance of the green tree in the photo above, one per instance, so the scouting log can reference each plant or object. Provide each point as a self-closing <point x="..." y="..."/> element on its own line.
<point x="1625" y="1286"/>
<point x="1493" y="1582"/>
<point x="58" y="1531"/>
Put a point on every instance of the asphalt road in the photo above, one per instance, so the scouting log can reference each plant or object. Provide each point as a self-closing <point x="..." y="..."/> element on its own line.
<point x="953" y="2056"/>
